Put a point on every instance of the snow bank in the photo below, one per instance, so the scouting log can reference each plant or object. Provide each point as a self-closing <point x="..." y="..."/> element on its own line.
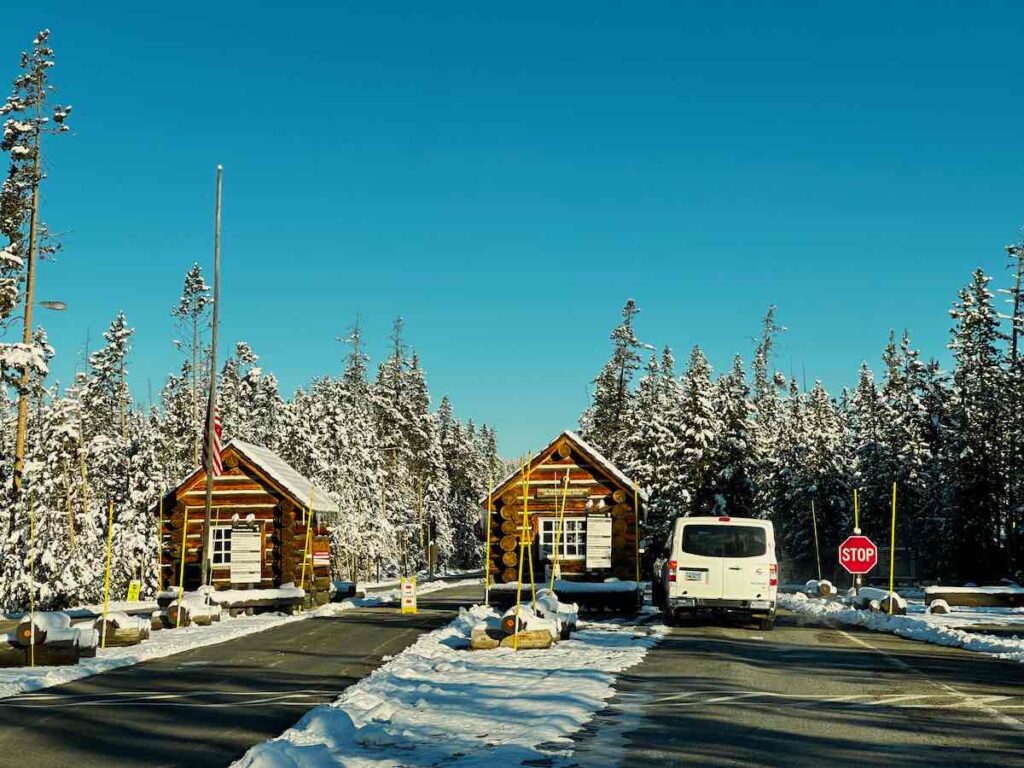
<point x="912" y="627"/>
<point x="436" y="703"/>
<point x="160" y="644"/>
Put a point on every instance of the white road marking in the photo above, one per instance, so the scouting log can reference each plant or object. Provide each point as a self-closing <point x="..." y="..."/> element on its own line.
<point x="968" y="702"/>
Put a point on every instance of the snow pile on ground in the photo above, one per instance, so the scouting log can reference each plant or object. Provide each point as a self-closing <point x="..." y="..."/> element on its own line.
<point x="913" y="627"/>
<point x="437" y="703"/>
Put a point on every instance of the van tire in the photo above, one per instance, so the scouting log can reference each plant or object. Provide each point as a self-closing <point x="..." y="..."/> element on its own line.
<point x="670" y="619"/>
<point x="767" y="625"/>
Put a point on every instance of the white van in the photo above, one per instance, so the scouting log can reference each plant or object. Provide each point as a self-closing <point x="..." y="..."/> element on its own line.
<point x="721" y="564"/>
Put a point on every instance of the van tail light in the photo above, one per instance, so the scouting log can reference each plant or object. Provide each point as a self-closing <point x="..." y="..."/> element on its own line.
<point x="672" y="565"/>
<point x="725" y="519"/>
<point x="773" y="575"/>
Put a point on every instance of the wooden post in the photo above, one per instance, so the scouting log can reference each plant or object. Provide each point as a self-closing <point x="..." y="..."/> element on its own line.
<point x="32" y="577"/>
<point x="70" y="509"/>
<point x="636" y="532"/>
<point x="106" y="576"/>
<point x="30" y="296"/>
<point x="892" y="548"/>
<point x="212" y="401"/>
<point x="817" y="554"/>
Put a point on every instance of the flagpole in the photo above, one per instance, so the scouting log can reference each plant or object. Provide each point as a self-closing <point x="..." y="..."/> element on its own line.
<point x="212" y="401"/>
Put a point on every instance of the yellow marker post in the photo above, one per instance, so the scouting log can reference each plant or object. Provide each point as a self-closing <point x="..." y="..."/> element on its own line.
<point x="892" y="548"/>
<point x="856" y="512"/>
<point x="487" y="541"/>
<point x="524" y="470"/>
<point x="106" y="577"/>
<point x="32" y="578"/>
<point x="558" y="529"/>
<point x="160" y="545"/>
<point x="181" y="568"/>
<point x="309" y="538"/>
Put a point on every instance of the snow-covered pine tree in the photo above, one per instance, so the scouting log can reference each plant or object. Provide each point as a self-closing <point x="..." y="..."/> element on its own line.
<point x="23" y="236"/>
<point x="976" y="433"/>
<point x="735" y="459"/>
<point x="701" y="427"/>
<point x="604" y="422"/>
<point x="192" y="316"/>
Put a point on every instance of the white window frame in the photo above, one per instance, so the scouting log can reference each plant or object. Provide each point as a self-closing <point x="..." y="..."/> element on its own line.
<point x="220" y="555"/>
<point x="572" y="544"/>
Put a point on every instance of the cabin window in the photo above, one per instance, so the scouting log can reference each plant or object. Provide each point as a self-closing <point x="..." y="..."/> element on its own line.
<point x="220" y="552"/>
<point x="572" y="544"/>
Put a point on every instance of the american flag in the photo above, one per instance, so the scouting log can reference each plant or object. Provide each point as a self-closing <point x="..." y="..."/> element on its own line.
<point x="212" y="446"/>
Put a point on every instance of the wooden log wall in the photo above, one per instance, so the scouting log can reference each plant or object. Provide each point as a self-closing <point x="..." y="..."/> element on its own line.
<point x="242" y="492"/>
<point x="586" y="484"/>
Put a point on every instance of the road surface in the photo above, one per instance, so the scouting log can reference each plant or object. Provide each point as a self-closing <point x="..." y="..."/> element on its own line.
<point x="806" y="695"/>
<point x="207" y="706"/>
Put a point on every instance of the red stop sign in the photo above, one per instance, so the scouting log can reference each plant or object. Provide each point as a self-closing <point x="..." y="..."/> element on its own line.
<point x="858" y="554"/>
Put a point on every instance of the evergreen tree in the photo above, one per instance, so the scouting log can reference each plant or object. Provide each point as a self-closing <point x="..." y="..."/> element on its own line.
<point x="604" y="423"/>
<point x="192" y="315"/>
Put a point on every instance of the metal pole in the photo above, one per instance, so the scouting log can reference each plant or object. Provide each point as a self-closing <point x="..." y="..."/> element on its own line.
<point x="212" y="402"/>
<point x="892" y="548"/>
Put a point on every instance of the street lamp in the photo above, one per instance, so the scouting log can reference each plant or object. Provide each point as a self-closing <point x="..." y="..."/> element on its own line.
<point x="56" y="306"/>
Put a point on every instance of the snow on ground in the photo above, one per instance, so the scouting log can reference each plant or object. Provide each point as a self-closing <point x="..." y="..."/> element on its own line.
<point x="922" y="627"/>
<point x="393" y="596"/>
<point x="170" y="641"/>
<point x="438" y="703"/>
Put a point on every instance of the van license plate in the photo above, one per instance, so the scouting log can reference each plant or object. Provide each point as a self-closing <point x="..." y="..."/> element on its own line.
<point x="760" y="605"/>
<point x="695" y="575"/>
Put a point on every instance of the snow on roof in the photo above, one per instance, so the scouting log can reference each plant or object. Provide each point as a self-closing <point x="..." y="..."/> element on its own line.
<point x="591" y="452"/>
<point x="283" y="473"/>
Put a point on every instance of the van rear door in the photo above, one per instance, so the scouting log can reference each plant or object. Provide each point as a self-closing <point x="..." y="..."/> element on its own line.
<point x="699" y="569"/>
<point x="745" y="562"/>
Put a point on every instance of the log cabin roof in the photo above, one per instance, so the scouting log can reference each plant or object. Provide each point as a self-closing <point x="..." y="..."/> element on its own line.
<point x="277" y="469"/>
<point x="595" y="457"/>
<point x="279" y="472"/>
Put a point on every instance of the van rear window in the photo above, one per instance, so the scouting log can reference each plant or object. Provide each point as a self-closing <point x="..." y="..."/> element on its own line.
<point x="724" y="540"/>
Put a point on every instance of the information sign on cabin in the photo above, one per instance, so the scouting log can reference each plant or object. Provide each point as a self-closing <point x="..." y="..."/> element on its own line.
<point x="246" y="554"/>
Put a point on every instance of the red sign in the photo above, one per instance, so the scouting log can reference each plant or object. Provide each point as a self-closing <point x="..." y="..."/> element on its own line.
<point x="858" y="554"/>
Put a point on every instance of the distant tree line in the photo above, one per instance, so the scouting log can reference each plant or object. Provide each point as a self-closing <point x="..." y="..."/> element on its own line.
<point x="760" y="445"/>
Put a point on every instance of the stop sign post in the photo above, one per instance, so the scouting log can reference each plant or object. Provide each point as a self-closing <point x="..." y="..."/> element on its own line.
<point x="858" y="555"/>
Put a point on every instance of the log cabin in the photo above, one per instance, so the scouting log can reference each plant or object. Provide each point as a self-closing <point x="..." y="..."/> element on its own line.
<point x="258" y="531"/>
<point x="603" y="516"/>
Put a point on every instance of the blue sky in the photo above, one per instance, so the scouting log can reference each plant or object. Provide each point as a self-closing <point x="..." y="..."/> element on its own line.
<point x="505" y="177"/>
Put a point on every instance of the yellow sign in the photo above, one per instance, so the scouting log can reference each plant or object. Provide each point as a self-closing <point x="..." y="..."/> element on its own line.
<point x="409" y="595"/>
<point x="134" y="588"/>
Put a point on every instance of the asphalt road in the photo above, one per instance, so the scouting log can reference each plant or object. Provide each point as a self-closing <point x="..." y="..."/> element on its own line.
<point x="805" y="695"/>
<point x="207" y="706"/>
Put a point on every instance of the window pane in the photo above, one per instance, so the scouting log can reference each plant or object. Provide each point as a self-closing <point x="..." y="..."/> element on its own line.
<point x="724" y="540"/>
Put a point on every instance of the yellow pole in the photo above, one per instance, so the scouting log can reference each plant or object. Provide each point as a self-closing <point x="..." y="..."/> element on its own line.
<point x="309" y="538"/>
<point x="32" y="577"/>
<point x="636" y="531"/>
<point x="524" y="471"/>
<point x="892" y="548"/>
<point x="160" y="545"/>
<point x="106" y="577"/>
<point x="181" y="568"/>
<point x="856" y="512"/>
<point x="487" y="542"/>
<point x="558" y="530"/>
